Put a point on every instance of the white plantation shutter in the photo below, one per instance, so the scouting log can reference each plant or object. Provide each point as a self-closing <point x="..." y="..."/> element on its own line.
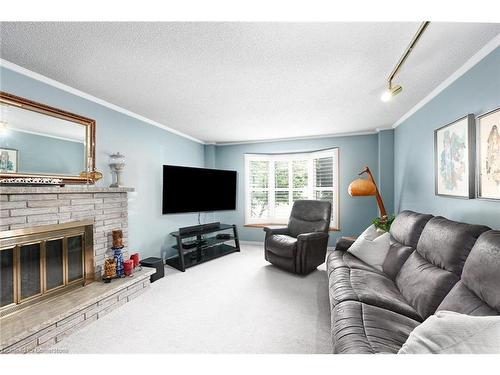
<point x="259" y="188"/>
<point x="325" y="180"/>
<point x="275" y="181"/>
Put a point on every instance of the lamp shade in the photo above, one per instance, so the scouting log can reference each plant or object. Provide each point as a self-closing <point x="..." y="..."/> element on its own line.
<point x="361" y="188"/>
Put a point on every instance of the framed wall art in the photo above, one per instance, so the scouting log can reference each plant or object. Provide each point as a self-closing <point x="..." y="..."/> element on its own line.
<point x="454" y="152"/>
<point x="8" y="160"/>
<point x="488" y="155"/>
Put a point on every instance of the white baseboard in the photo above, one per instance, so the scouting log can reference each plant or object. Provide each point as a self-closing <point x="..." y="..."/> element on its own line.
<point x="254" y="243"/>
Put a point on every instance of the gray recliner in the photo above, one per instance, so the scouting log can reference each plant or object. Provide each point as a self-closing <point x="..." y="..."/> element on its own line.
<point x="301" y="246"/>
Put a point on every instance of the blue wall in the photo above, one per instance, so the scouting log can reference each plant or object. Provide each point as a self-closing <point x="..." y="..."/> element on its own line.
<point x="477" y="92"/>
<point x="385" y="179"/>
<point x="355" y="152"/>
<point x="39" y="154"/>
<point x="210" y="156"/>
<point x="146" y="148"/>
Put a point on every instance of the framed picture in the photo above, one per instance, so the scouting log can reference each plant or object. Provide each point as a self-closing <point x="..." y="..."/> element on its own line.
<point x="488" y="155"/>
<point x="454" y="151"/>
<point x="8" y="160"/>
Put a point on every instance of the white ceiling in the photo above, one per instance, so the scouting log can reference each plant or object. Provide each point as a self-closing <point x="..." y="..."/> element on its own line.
<point x="229" y="82"/>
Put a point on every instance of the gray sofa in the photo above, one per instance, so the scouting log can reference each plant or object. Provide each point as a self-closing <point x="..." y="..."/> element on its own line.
<point x="433" y="264"/>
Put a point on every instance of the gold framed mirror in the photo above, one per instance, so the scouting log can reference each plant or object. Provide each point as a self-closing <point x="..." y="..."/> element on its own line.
<point x="39" y="141"/>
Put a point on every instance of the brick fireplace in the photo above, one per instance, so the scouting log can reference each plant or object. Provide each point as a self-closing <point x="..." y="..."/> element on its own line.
<point x="28" y="207"/>
<point x="53" y="241"/>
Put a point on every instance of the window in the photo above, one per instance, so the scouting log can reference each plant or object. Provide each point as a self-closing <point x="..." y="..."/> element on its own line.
<point x="275" y="181"/>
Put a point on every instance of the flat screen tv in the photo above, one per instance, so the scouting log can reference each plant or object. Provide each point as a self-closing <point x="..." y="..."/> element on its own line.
<point x="187" y="189"/>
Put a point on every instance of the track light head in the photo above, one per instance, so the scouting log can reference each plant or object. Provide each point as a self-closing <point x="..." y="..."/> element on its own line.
<point x="391" y="91"/>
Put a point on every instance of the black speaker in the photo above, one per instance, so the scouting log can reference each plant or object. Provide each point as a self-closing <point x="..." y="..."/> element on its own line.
<point x="157" y="263"/>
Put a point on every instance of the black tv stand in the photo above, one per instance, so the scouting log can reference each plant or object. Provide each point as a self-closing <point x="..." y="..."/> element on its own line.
<point x="205" y="247"/>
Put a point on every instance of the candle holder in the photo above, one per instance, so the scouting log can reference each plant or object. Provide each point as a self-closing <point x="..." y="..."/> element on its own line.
<point x="117" y="164"/>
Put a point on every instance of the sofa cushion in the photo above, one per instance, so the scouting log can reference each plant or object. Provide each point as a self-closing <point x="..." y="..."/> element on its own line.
<point x="395" y="258"/>
<point x="282" y="245"/>
<point x="284" y="263"/>
<point x="478" y="292"/>
<point x="435" y="267"/>
<point x="482" y="269"/>
<point x="309" y="216"/>
<point x="408" y="226"/>
<point x="369" y="286"/>
<point x="462" y="300"/>
<point x="447" y="244"/>
<point x="423" y="284"/>
<point x="337" y="259"/>
<point x="405" y="232"/>
<point x="358" y="328"/>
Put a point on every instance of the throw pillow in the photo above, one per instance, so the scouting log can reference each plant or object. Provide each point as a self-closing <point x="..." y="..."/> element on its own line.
<point x="371" y="247"/>
<point x="372" y="232"/>
<point x="448" y="332"/>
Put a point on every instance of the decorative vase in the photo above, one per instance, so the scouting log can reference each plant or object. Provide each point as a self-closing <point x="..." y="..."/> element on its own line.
<point x="117" y="164"/>
<point x="118" y="255"/>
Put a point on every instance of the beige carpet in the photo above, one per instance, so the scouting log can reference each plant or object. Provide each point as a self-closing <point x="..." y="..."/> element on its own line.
<point x="235" y="304"/>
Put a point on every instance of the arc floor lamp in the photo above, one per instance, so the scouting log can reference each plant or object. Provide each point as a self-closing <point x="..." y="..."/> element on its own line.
<point x="363" y="187"/>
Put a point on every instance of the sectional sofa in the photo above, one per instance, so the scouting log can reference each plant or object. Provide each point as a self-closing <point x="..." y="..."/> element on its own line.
<point x="433" y="264"/>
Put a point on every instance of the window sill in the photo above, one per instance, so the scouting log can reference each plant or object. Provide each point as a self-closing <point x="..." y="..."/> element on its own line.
<point x="280" y="225"/>
<point x="265" y="225"/>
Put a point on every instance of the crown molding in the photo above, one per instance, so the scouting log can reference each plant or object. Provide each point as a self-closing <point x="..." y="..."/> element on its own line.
<point x="470" y="63"/>
<point x="383" y="129"/>
<point x="337" y="135"/>
<point x="39" y="77"/>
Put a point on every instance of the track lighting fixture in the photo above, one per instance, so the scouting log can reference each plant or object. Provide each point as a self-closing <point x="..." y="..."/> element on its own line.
<point x="392" y="91"/>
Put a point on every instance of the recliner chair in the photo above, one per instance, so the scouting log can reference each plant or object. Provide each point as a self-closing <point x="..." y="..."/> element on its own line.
<point x="301" y="246"/>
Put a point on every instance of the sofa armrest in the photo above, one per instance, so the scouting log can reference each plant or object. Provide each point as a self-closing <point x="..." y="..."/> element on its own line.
<point x="344" y="243"/>
<point x="311" y="250"/>
<point x="270" y="231"/>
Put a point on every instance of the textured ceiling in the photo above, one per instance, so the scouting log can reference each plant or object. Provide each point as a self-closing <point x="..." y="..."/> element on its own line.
<point x="226" y="82"/>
